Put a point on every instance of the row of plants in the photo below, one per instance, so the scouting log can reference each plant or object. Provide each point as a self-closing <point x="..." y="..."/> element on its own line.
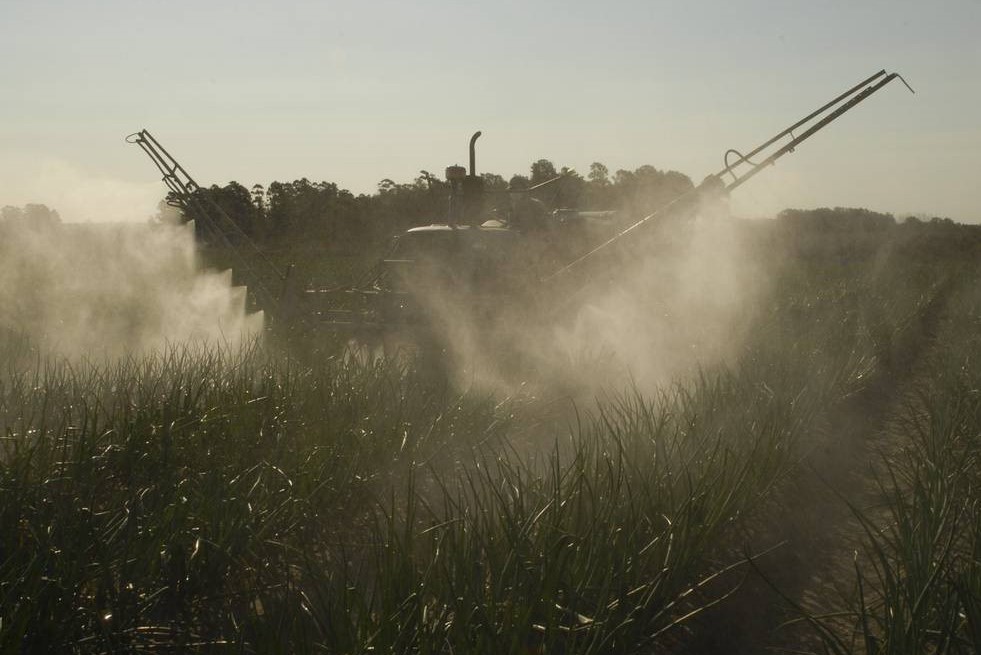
<point x="202" y="499"/>
<point x="917" y="581"/>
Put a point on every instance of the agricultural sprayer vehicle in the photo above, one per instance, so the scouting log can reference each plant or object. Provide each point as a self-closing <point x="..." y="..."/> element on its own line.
<point x="475" y="261"/>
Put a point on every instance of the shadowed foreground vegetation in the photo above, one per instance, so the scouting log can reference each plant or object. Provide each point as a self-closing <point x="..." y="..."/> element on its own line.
<point x="254" y="502"/>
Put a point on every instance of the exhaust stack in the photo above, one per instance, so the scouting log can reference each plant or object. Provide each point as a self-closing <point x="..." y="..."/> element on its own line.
<point x="473" y="153"/>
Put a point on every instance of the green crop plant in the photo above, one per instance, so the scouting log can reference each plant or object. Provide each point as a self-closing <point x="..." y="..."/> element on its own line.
<point x="264" y="501"/>
<point x="917" y="573"/>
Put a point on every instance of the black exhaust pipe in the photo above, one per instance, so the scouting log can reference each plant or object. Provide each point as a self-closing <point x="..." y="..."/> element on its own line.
<point x="473" y="153"/>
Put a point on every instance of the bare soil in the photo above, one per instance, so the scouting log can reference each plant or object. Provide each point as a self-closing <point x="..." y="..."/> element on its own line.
<point x="809" y="526"/>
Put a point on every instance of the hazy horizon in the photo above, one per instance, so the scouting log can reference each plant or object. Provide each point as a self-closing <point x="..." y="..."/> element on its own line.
<point x="353" y="95"/>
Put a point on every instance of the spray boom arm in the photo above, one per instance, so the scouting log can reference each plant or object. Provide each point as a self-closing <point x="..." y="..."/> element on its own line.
<point x="740" y="174"/>
<point x="835" y="108"/>
<point x="214" y="221"/>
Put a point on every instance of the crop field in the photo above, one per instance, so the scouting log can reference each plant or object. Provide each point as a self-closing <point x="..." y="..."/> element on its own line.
<point x="816" y="489"/>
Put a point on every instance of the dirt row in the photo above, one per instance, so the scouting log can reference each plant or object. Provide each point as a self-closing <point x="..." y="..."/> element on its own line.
<point x="800" y="551"/>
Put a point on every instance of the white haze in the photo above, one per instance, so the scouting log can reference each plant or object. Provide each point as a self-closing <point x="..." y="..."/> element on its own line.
<point x="73" y="193"/>
<point x="684" y="306"/>
<point x="112" y="290"/>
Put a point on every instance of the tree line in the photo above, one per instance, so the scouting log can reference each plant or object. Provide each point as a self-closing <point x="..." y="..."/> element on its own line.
<point x="322" y="211"/>
<point x="854" y="219"/>
<point x="30" y="215"/>
<point x="335" y="218"/>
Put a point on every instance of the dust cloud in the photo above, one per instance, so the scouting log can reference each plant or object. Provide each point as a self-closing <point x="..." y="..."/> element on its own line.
<point x="682" y="302"/>
<point x="683" y="307"/>
<point x="108" y="290"/>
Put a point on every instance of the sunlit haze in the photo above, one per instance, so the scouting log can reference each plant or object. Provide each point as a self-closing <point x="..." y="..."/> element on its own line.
<point x="357" y="92"/>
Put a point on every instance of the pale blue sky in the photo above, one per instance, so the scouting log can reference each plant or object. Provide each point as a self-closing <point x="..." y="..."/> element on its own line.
<point x="357" y="92"/>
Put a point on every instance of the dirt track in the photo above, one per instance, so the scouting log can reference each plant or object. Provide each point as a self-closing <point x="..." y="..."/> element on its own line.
<point x="810" y="518"/>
